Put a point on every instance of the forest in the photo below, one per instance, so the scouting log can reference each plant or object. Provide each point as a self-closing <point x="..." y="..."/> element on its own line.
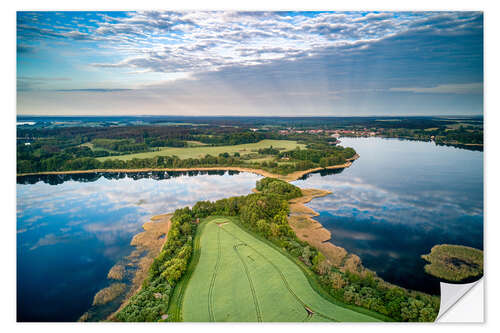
<point x="65" y="150"/>
<point x="462" y="135"/>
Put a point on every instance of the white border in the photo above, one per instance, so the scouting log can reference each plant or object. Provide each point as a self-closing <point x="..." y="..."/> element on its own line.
<point x="492" y="108"/>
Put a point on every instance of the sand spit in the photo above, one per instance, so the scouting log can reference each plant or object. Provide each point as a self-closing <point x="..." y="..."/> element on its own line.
<point x="311" y="231"/>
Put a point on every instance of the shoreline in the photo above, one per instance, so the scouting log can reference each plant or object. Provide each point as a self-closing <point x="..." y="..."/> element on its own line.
<point x="289" y="177"/>
<point x="147" y="246"/>
<point x="316" y="235"/>
<point x="466" y="146"/>
<point x="150" y="241"/>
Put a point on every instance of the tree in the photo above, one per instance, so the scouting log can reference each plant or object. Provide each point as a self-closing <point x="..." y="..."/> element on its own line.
<point x="263" y="227"/>
<point x="320" y="264"/>
<point x="410" y="310"/>
<point x="306" y="255"/>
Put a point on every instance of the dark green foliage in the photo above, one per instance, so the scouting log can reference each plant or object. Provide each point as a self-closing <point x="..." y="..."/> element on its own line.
<point x="370" y="292"/>
<point x="262" y="207"/>
<point x="155" y="142"/>
<point x="124" y="145"/>
<point x="269" y="151"/>
<point x="151" y="302"/>
<point x="278" y="187"/>
<point x="233" y="138"/>
<point x="318" y="154"/>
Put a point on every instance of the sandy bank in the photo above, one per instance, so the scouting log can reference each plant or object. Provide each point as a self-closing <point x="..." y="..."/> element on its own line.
<point x="150" y="242"/>
<point x="311" y="231"/>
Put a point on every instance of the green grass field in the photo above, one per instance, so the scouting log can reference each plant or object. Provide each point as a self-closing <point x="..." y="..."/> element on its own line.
<point x="197" y="152"/>
<point x="237" y="277"/>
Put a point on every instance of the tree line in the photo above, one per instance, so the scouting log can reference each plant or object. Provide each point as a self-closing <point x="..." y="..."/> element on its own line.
<point x="40" y="157"/>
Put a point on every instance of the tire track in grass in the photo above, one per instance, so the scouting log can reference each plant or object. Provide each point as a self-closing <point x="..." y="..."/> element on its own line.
<point x="283" y="278"/>
<point x="211" y="314"/>
<point x="252" y="288"/>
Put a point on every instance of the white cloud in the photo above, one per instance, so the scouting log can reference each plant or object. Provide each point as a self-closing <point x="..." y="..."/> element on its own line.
<point x="208" y="41"/>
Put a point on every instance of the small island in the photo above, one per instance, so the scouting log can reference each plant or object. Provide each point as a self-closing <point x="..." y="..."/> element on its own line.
<point x="454" y="262"/>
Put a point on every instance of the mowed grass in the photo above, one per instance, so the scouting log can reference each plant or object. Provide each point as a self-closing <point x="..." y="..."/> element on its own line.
<point x="197" y="152"/>
<point x="239" y="278"/>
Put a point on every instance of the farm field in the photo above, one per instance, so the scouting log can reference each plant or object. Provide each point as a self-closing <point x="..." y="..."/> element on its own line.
<point x="240" y="278"/>
<point x="197" y="152"/>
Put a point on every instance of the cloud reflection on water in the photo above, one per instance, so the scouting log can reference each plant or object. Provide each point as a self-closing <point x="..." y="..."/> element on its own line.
<point x="76" y="230"/>
<point x="117" y="199"/>
<point x="398" y="200"/>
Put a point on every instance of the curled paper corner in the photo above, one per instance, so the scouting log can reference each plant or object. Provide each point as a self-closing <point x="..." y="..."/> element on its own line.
<point x="462" y="302"/>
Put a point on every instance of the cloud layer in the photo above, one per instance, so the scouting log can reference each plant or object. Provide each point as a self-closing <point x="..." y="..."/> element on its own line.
<point x="318" y="59"/>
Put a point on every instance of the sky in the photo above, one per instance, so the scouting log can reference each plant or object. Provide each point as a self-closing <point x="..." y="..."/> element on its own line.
<point x="250" y="63"/>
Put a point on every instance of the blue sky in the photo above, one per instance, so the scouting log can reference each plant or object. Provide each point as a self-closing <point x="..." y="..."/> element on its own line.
<point x="250" y="63"/>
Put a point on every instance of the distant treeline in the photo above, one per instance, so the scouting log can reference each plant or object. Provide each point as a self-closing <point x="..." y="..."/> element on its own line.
<point x="152" y="136"/>
<point x="462" y="136"/>
<point x="248" y="122"/>
<point x="265" y="214"/>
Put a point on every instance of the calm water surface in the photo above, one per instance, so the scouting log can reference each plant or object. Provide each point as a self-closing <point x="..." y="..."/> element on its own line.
<point x="392" y="205"/>
<point x="398" y="200"/>
<point x="72" y="229"/>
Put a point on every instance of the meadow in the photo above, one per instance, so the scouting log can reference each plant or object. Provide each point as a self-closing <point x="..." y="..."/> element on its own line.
<point x="239" y="278"/>
<point x="198" y="152"/>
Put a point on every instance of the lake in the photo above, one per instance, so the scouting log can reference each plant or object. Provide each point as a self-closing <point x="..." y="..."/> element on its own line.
<point x="392" y="205"/>
<point x="71" y="229"/>
<point x="397" y="201"/>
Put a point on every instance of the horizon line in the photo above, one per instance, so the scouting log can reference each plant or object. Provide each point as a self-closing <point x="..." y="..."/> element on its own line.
<point x="250" y="116"/>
